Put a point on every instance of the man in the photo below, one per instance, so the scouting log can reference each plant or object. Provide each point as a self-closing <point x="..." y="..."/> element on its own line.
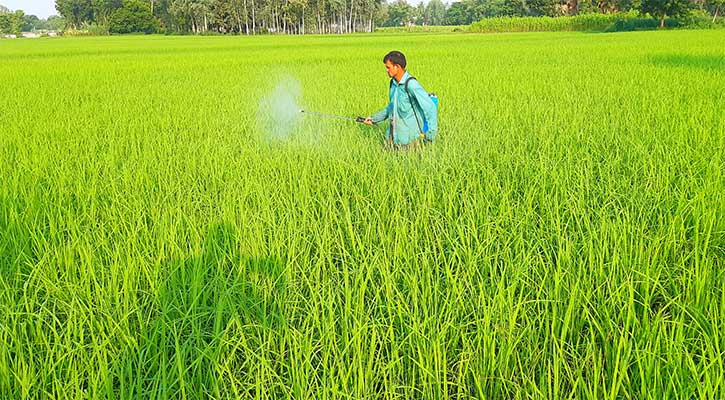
<point x="408" y="110"/>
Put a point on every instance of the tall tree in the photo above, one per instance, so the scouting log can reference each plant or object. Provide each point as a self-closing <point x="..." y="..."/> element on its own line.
<point x="134" y="16"/>
<point x="400" y="13"/>
<point x="102" y="9"/>
<point x="419" y="16"/>
<point x="56" y="22"/>
<point x="224" y="19"/>
<point x="6" y="24"/>
<point x="460" y="13"/>
<point x="436" y="12"/>
<point x="76" y="12"/>
<point x="717" y="6"/>
<point x="665" y="8"/>
<point x="16" y="22"/>
<point x="191" y="15"/>
<point x="31" y="23"/>
<point x="11" y="22"/>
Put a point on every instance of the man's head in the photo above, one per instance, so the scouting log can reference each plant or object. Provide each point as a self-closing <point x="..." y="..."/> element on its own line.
<point x="395" y="64"/>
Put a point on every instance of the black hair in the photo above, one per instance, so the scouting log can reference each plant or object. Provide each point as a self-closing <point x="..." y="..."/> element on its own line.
<point x="395" y="57"/>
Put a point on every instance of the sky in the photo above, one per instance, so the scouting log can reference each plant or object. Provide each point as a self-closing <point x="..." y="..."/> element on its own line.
<point x="40" y="8"/>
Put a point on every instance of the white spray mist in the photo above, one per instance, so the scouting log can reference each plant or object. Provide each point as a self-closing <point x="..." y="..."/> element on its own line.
<point x="279" y="112"/>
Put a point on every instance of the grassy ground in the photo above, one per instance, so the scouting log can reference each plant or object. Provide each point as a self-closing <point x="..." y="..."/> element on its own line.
<point x="422" y="29"/>
<point x="564" y="239"/>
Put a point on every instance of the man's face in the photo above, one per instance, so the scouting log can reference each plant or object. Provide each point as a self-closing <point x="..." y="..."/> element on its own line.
<point x="392" y="69"/>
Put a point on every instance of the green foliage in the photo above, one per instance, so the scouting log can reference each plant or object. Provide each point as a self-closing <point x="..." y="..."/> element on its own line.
<point x="399" y="13"/>
<point x="32" y="22"/>
<point x="436" y="12"/>
<point x="468" y="11"/>
<point x="422" y="29"/>
<point x="564" y="239"/>
<point x="700" y="19"/>
<point x="225" y="16"/>
<point x="717" y="8"/>
<point x="56" y="22"/>
<point x="103" y="9"/>
<point x="134" y="17"/>
<point x="459" y="14"/>
<point x="344" y="16"/>
<point x="665" y="8"/>
<point x="95" y="29"/>
<point x="12" y="23"/>
<point x="616" y="6"/>
<point x="76" y="12"/>
<point x="418" y="14"/>
<point x="631" y="21"/>
<point x="6" y="24"/>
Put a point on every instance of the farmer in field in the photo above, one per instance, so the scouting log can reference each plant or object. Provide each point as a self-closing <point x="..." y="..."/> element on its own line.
<point x="413" y="113"/>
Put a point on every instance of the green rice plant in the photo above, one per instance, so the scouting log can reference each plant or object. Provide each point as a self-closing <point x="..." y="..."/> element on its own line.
<point x="564" y="238"/>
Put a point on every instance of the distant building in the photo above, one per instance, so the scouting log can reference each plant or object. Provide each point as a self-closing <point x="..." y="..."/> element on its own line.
<point x="41" y="33"/>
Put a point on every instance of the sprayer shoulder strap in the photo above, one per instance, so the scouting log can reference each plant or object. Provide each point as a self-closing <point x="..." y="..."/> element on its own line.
<point x="405" y="85"/>
<point x="410" y="99"/>
<point x="406" y="82"/>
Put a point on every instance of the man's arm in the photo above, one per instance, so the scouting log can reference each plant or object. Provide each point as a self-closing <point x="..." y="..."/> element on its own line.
<point x="381" y="115"/>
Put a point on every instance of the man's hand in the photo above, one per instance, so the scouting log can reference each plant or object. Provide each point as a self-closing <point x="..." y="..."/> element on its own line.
<point x="368" y="121"/>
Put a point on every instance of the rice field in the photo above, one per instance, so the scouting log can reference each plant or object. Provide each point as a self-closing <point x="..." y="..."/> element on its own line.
<point x="164" y="234"/>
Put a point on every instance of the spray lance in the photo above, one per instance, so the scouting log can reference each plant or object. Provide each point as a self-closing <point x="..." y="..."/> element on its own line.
<point x="317" y="114"/>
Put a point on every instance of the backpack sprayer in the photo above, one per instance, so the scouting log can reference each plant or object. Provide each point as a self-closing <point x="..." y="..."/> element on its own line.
<point x="422" y="128"/>
<point x="356" y="119"/>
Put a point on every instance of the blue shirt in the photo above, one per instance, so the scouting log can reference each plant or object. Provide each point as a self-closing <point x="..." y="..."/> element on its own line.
<point x="403" y="125"/>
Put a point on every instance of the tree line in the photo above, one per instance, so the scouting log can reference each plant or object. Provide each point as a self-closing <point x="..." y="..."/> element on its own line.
<point x="318" y="16"/>
<point x="468" y="11"/>
<point x="15" y="22"/>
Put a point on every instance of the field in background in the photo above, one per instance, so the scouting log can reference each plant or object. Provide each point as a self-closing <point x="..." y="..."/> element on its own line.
<point x="617" y="22"/>
<point x="564" y="239"/>
<point x="422" y="29"/>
